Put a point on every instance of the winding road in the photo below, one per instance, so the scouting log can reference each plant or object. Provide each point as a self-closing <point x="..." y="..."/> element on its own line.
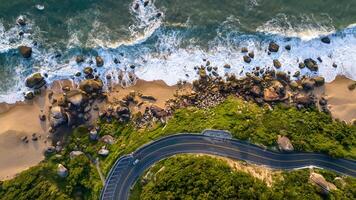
<point x="127" y="169"/>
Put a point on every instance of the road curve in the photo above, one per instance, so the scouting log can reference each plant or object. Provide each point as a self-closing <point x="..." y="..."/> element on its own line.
<point x="127" y="169"/>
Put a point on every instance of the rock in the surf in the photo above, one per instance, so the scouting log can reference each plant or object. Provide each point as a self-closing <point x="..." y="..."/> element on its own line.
<point x="325" y="40"/>
<point x="273" y="47"/>
<point x="277" y="64"/>
<point x="21" y="20"/>
<point x="35" y="81"/>
<point x="311" y="64"/>
<point x="247" y="59"/>
<point x="25" y="51"/>
<point x="99" y="61"/>
<point x="319" y="81"/>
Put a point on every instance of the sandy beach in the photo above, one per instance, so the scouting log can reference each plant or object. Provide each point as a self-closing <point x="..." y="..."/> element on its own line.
<point x="341" y="100"/>
<point x="22" y="119"/>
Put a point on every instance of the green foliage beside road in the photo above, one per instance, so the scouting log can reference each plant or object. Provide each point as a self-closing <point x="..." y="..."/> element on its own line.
<point x="309" y="130"/>
<point x="204" y="177"/>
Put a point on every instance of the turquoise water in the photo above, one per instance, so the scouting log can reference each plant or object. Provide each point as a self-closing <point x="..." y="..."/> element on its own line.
<point x="165" y="39"/>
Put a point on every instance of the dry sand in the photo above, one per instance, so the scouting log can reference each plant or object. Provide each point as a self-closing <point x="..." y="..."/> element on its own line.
<point x="16" y="121"/>
<point x="341" y="100"/>
<point x="22" y="119"/>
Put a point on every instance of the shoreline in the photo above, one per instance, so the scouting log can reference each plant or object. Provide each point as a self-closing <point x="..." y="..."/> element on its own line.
<point x="22" y="119"/>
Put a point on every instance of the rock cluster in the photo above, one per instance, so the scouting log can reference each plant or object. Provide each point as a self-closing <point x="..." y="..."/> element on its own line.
<point x="268" y="87"/>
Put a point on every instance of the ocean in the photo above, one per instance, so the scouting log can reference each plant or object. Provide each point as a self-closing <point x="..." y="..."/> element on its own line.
<point x="166" y="39"/>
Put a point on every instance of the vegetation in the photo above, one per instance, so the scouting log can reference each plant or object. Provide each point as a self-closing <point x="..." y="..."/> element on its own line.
<point x="203" y="177"/>
<point x="309" y="130"/>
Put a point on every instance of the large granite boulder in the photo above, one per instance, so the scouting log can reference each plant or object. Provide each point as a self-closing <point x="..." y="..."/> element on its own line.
<point x="57" y="116"/>
<point x="76" y="98"/>
<point x="284" y="144"/>
<point x="319" y="180"/>
<point x="91" y="86"/>
<point x="35" y="81"/>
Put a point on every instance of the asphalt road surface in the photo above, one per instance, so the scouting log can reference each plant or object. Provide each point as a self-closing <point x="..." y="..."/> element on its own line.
<point x="127" y="169"/>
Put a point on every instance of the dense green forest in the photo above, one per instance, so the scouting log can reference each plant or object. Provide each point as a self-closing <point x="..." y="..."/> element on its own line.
<point x="204" y="177"/>
<point x="308" y="129"/>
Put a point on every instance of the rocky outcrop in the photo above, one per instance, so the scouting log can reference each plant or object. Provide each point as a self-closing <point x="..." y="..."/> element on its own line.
<point x="25" y="51"/>
<point x="284" y="144"/>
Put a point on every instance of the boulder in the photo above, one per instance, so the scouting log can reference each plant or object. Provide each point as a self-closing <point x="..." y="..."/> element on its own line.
<point x="226" y="66"/>
<point x="88" y="70"/>
<point x="320" y="182"/>
<point x="251" y="54"/>
<point x="284" y="144"/>
<point x="308" y="84"/>
<point x="311" y="64"/>
<point x="79" y="59"/>
<point x="275" y="92"/>
<point x="62" y="171"/>
<point x="303" y="98"/>
<point x="301" y="65"/>
<point x="319" y="81"/>
<point x="35" y="81"/>
<point x="29" y="95"/>
<point x="76" y="97"/>
<point x="57" y="116"/>
<point x="247" y="59"/>
<point x="158" y="112"/>
<point x="103" y="151"/>
<point x="273" y="47"/>
<point x="93" y="135"/>
<point x="21" y="20"/>
<point x="288" y="47"/>
<point x="99" y="61"/>
<point x="294" y="85"/>
<point x="91" y="86"/>
<point x="74" y="154"/>
<point x="108" y="139"/>
<point x="256" y="91"/>
<point x="325" y="40"/>
<point x="244" y="50"/>
<point x="277" y="64"/>
<point x="25" y="51"/>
